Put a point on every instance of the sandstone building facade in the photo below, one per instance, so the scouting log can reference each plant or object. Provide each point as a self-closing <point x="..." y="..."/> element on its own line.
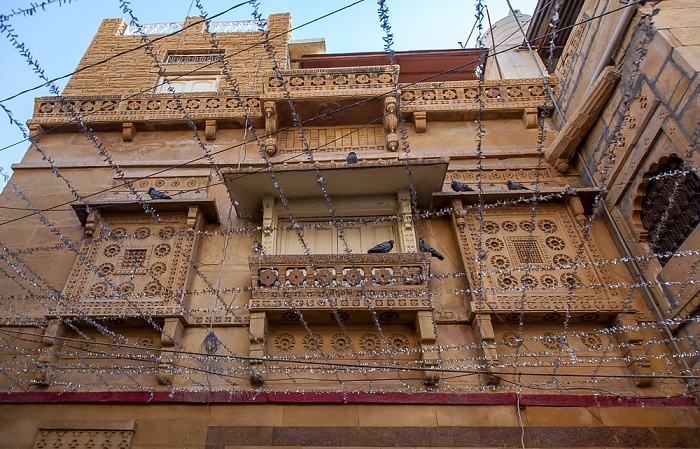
<point x="246" y="310"/>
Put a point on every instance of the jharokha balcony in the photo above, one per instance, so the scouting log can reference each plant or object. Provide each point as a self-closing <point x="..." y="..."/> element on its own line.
<point x="354" y="282"/>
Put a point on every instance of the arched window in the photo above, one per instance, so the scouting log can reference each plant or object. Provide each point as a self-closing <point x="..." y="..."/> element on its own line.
<point x="668" y="219"/>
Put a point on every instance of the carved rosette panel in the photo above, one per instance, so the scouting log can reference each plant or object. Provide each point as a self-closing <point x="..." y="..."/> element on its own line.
<point x="183" y="187"/>
<point x="330" y="81"/>
<point x="71" y="439"/>
<point x="511" y="241"/>
<point x="136" y="267"/>
<point x="499" y="177"/>
<point x="501" y="94"/>
<point x="400" y="344"/>
<point x="387" y="280"/>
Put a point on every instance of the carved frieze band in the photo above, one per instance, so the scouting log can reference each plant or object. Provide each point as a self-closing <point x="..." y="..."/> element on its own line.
<point x="309" y="83"/>
<point x="122" y="108"/>
<point x="496" y="94"/>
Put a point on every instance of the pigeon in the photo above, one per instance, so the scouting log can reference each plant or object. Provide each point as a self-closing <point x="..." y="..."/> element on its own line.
<point x="460" y="187"/>
<point x="425" y="248"/>
<point x="383" y="247"/>
<point x="512" y="185"/>
<point x="157" y="194"/>
<point x="352" y="158"/>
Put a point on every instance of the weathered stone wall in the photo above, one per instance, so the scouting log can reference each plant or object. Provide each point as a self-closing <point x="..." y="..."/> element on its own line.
<point x="118" y="64"/>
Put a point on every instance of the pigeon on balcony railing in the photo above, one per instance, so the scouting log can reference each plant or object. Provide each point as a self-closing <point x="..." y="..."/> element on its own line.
<point x="512" y="185"/>
<point x="460" y="187"/>
<point x="425" y="248"/>
<point x="351" y="158"/>
<point x="157" y="194"/>
<point x="383" y="247"/>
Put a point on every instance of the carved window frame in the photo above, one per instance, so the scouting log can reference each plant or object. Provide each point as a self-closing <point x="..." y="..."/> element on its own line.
<point x="403" y="228"/>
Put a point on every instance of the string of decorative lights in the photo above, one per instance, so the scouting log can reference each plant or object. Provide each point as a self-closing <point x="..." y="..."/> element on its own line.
<point x="227" y="233"/>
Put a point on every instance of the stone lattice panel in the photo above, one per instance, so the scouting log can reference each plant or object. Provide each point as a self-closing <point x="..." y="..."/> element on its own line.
<point x="333" y="139"/>
<point x="138" y="266"/>
<point x="556" y="280"/>
<point x="72" y="439"/>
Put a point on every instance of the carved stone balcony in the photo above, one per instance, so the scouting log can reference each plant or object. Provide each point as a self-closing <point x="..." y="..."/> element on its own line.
<point x="340" y="281"/>
<point x="159" y="110"/>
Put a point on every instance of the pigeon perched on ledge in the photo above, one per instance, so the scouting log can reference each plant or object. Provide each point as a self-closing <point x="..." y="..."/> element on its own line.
<point x="383" y="247"/>
<point x="512" y="185"/>
<point x="157" y="194"/>
<point x="351" y="158"/>
<point x="425" y="248"/>
<point x="460" y="187"/>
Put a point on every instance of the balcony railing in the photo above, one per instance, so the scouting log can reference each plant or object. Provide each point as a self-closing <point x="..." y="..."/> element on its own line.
<point x="395" y="281"/>
<point x="125" y="108"/>
<point x="238" y="26"/>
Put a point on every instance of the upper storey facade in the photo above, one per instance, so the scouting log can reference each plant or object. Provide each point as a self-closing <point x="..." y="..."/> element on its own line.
<point x="116" y="63"/>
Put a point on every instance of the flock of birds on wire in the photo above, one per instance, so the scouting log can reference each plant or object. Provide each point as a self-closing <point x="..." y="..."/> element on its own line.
<point x="387" y="246"/>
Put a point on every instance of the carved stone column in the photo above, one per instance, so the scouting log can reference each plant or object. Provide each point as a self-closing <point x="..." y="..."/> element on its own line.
<point x="270" y="112"/>
<point x="53" y="343"/>
<point x="487" y="344"/>
<point x="172" y="332"/>
<point x="407" y="231"/>
<point x="268" y="224"/>
<point x="425" y="334"/>
<point x="258" y="342"/>
<point x="391" y="122"/>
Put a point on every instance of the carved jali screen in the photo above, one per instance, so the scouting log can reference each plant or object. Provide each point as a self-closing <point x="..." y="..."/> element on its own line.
<point x="133" y="268"/>
<point x="556" y="279"/>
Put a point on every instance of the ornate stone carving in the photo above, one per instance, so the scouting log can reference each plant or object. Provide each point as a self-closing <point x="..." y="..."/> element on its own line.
<point x="548" y="247"/>
<point x="270" y="112"/>
<point x="133" y="259"/>
<point x="71" y="439"/>
<point x="394" y="280"/>
<point x="390" y="124"/>
<point x="128" y="109"/>
<point x="326" y="82"/>
<point x="183" y="187"/>
<point x="519" y="94"/>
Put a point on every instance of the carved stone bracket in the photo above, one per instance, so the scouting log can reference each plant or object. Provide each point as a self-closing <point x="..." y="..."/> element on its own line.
<point x="172" y="332"/>
<point x="53" y="343"/>
<point x="128" y="132"/>
<point x="90" y="224"/>
<point x="530" y="116"/>
<point x="420" y="121"/>
<point x="458" y="215"/>
<point x="210" y="128"/>
<point x="36" y="132"/>
<point x="390" y="124"/>
<point x="634" y="352"/>
<point x="270" y="112"/>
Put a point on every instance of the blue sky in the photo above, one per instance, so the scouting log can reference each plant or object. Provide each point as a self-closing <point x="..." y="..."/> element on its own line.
<point x="58" y="36"/>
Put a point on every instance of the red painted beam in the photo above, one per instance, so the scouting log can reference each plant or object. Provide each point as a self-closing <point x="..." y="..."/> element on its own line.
<point x="272" y="397"/>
